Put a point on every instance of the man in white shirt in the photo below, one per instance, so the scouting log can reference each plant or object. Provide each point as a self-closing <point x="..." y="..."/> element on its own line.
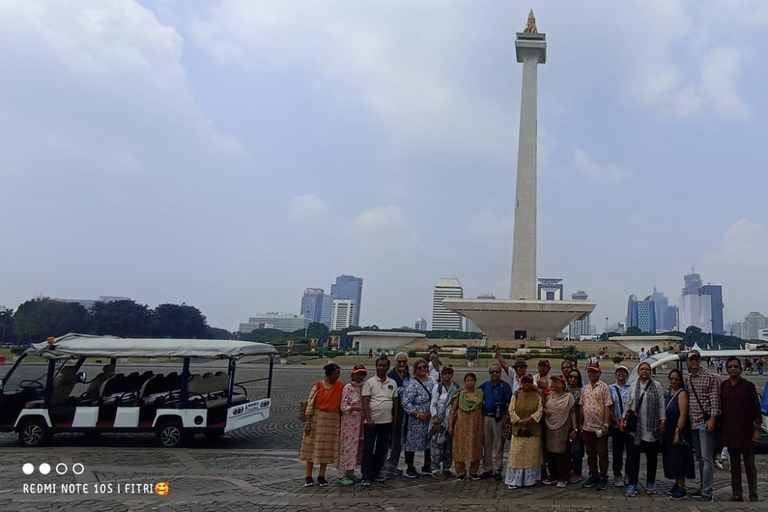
<point x="380" y="411"/>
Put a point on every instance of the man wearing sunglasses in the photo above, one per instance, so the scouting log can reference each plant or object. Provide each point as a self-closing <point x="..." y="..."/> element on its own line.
<point x="703" y="410"/>
<point x="496" y="397"/>
<point x="402" y="377"/>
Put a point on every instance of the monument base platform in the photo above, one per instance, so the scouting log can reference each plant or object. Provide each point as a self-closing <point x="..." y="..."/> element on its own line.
<point x="534" y="320"/>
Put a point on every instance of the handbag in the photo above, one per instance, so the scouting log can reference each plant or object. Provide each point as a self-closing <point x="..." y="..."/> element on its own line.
<point x="632" y="415"/>
<point x="507" y="429"/>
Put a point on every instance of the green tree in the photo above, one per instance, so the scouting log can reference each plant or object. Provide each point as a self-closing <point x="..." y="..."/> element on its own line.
<point x="7" y="333"/>
<point x="634" y="331"/>
<point x="39" y="318"/>
<point x="179" y="321"/>
<point x="215" y="333"/>
<point x="124" y="318"/>
<point x="315" y="330"/>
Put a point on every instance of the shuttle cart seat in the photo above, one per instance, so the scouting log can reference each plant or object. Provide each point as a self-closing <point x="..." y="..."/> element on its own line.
<point x="63" y="385"/>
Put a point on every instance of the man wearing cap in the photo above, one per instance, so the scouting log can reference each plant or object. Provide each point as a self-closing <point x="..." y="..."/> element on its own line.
<point x="703" y="410"/>
<point x="596" y="405"/>
<point x="520" y="368"/>
<point x="496" y="397"/>
<point x="620" y="396"/>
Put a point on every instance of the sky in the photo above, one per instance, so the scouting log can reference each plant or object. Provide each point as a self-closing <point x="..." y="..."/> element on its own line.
<point x="229" y="154"/>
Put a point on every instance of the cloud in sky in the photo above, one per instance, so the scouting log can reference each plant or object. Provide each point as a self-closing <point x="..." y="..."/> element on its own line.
<point x="596" y="171"/>
<point x="242" y="151"/>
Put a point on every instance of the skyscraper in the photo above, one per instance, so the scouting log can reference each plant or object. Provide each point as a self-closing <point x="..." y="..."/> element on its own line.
<point x="312" y="304"/>
<point x="349" y="288"/>
<point x="715" y="293"/>
<point x="443" y="318"/>
<point x="421" y="324"/>
<point x="701" y="305"/>
<point x="641" y="314"/>
<point x="666" y="315"/>
<point x="343" y="314"/>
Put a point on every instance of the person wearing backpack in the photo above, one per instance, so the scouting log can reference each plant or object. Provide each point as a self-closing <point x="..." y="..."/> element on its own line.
<point x="645" y="421"/>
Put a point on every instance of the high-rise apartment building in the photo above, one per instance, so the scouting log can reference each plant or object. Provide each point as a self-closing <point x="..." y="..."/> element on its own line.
<point x="349" y="288"/>
<point x="421" y="324"/>
<point x="641" y="314"/>
<point x="443" y="318"/>
<point x="343" y="314"/>
<point x="580" y="327"/>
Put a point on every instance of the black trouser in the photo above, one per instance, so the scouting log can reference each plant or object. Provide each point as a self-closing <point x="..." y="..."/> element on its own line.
<point x="749" y="466"/>
<point x="619" y="442"/>
<point x="376" y="439"/>
<point x="427" y="458"/>
<point x="633" y="460"/>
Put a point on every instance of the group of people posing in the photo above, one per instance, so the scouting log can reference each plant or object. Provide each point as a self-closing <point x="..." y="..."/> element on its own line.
<point x="550" y="420"/>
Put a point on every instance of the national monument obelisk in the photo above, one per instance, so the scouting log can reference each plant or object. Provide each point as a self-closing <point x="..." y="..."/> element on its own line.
<point x="524" y="316"/>
<point x="531" y="49"/>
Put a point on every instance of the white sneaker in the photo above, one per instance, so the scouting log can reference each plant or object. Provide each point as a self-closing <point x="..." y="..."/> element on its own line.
<point x="618" y="481"/>
<point x="512" y="487"/>
<point x="549" y="481"/>
<point x="562" y="483"/>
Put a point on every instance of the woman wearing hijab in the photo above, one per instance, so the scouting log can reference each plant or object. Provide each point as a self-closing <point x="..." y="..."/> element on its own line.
<point x="352" y="427"/>
<point x="646" y="404"/>
<point x="440" y="444"/>
<point x="524" y="460"/>
<point x="417" y="398"/>
<point x="560" y="421"/>
<point x="320" y="443"/>
<point x="466" y="429"/>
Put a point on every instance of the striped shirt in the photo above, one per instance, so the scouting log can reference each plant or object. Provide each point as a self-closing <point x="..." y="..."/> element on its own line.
<point x="707" y="387"/>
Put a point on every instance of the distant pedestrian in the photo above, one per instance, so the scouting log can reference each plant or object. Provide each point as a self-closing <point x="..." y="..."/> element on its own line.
<point x="524" y="459"/>
<point x="370" y="353"/>
<point x="742" y="420"/>
<point x="320" y="442"/>
<point x="466" y="429"/>
<point x="596" y="405"/>
<point x="380" y="407"/>
<point x="440" y="444"/>
<point x="719" y="366"/>
<point x="760" y="365"/>
<point x="416" y="401"/>
<point x="496" y="397"/>
<point x="678" y="453"/>
<point x="352" y="430"/>
<point x="646" y="405"/>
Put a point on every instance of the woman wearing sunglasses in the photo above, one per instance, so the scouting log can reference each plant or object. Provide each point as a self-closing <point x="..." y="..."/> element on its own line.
<point x="417" y="398"/>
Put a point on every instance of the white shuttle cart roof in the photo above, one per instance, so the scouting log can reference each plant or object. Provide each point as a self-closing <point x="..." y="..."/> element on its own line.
<point x="72" y="346"/>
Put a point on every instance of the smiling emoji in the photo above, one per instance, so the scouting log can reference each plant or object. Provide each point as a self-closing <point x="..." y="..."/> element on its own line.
<point x="162" y="488"/>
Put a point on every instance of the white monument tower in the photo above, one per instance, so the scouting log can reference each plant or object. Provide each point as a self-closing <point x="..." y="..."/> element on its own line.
<point x="523" y="316"/>
<point x="531" y="50"/>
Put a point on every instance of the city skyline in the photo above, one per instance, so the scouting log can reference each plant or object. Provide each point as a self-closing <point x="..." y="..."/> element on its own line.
<point x="225" y="120"/>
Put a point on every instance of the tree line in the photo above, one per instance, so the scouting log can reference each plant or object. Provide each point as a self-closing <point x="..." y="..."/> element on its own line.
<point x="36" y="319"/>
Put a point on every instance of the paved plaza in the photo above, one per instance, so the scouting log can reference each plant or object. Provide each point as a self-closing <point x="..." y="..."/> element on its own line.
<point x="257" y="469"/>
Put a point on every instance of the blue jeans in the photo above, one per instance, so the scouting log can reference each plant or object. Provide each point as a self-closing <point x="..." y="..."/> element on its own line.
<point x="704" y="448"/>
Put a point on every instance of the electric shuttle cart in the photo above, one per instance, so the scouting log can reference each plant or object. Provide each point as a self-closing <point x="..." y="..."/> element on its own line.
<point x="174" y="405"/>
